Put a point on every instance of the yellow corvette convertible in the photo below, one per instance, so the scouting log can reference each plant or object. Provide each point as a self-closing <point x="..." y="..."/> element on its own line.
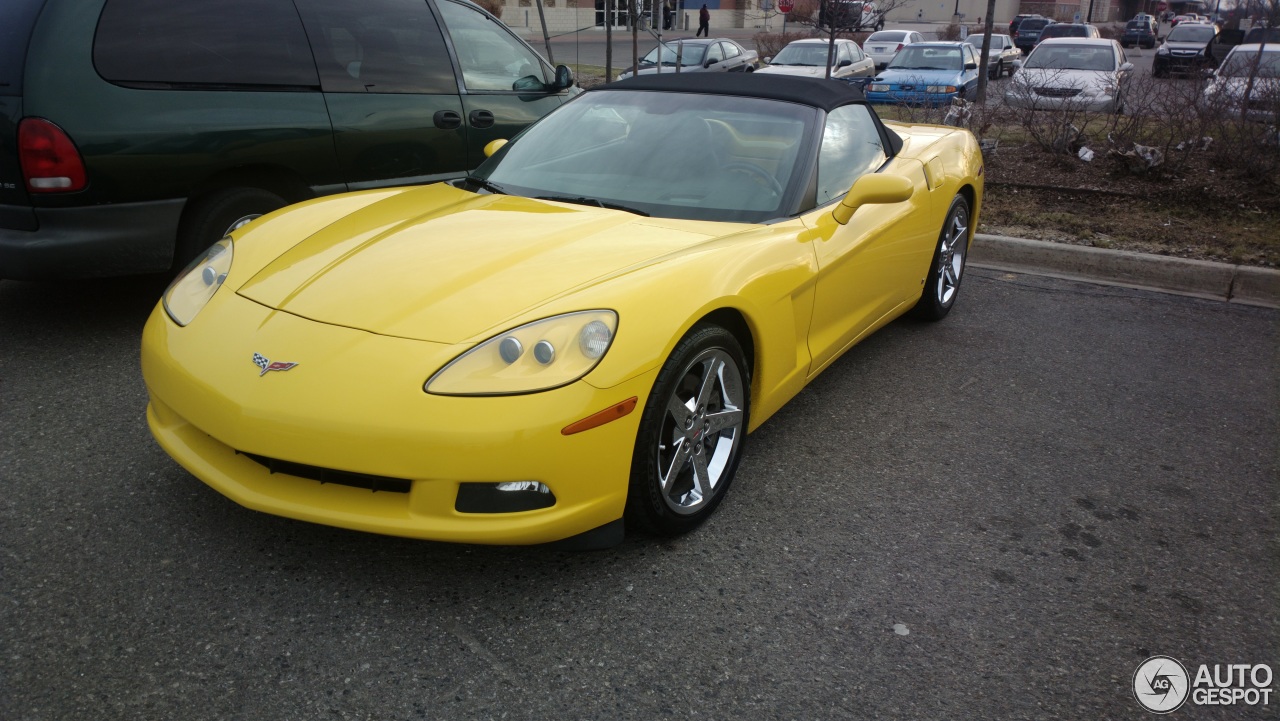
<point x="579" y="335"/>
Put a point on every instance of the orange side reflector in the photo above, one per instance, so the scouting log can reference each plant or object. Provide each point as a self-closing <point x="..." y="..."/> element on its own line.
<point x="612" y="413"/>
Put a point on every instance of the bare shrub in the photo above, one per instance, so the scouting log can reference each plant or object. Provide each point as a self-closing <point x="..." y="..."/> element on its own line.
<point x="493" y="6"/>
<point x="803" y="12"/>
<point x="1163" y="114"/>
<point x="1059" y="126"/>
<point x="950" y="32"/>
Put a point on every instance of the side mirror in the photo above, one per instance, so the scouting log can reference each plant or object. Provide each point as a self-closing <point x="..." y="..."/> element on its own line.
<point x="970" y="66"/>
<point x="1017" y="64"/>
<point x="494" y="146"/>
<point x="768" y="59"/>
<point x="1126" y="68"/>
<point x="870" y="189"/>
<point x="564" y="78"/>
<point x="709" y="63"/>
<point x="845" y="63"/>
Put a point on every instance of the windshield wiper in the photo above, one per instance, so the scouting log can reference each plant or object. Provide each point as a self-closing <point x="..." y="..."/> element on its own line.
<point x="482" y="183"/>
<point x="592" y="201"/>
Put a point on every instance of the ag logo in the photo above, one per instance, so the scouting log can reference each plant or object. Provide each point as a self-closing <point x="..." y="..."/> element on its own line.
<point x="1161" y="684"/>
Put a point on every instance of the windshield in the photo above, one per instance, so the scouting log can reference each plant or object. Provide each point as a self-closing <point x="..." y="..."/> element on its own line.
<point x="1064" y="31"/>
<point x="689" y="54"/>
<point x="927" y="57"/>
<point x="1239" y="63"/>
<point x="1190" y="34"/>
<point x="1032" y="25"/>
<point x="808" y="54"/>
<point x="1072" y="57"/>
<point x="895" y="36"/>
<point x="17" y="18"/>
<point x="671" y="155"/>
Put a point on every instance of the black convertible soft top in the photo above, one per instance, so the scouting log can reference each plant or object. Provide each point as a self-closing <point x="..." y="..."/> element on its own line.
<point x="824" y="94"/>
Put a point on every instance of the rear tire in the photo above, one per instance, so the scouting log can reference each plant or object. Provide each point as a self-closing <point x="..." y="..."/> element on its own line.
<point x="210" y="218"/>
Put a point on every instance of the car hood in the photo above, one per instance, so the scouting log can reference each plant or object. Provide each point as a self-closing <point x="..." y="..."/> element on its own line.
<point x="919" y="77"/>
<point x="804" y="71"/>
<point x="1055" y="78"/>
<point x="444" y="265"/>
<point x="1181" y="45"/>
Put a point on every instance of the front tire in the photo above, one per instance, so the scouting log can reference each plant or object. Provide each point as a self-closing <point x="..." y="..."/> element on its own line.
<point x="942" y="284"/>
<point x="691" y="434"/>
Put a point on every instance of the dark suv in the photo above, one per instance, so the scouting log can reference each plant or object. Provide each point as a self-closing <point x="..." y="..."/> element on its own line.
<point x="1140" y="31"/>
<point x="1188" y="48"/>
<point x="1029" y="33"/>
<point x="135" y="133"/>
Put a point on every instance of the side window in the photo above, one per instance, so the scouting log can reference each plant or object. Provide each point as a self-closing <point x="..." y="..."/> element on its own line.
<point x="851" y="148"/>
<point x="378" y="46"/>
<point x="490" y="57"/>
<point x="715" y="54"/>
<point x="846" y="53"/>
<point x="730" y="50"/>
<point x="227" y="43"/>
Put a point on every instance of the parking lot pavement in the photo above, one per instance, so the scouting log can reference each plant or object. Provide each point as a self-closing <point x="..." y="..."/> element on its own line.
<point x="998" y="516"/>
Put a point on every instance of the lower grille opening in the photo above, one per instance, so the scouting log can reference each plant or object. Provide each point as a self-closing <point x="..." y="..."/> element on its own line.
<point x="329" y="475"/>
<point x="503" y="497"/>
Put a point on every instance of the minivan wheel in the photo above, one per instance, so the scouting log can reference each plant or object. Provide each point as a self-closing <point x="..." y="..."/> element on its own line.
<point x="210" y="218"/>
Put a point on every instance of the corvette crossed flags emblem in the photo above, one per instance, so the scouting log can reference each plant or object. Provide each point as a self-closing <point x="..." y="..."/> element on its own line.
<point x="266" y="365"/>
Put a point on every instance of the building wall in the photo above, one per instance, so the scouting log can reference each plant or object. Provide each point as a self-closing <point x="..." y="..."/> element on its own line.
<point x="569" y="15"/>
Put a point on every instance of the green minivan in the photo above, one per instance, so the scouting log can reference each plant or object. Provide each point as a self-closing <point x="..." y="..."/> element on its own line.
<point x="136" y="133"/>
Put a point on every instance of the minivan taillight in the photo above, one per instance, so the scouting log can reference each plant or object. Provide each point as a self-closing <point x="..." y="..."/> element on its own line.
<point x="899" y="47"/>
<point x="50" y="161"/>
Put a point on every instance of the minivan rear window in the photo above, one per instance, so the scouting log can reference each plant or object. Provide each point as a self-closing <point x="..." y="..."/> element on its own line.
<point x="227" y="43"/>
<point x="17" y="18"/>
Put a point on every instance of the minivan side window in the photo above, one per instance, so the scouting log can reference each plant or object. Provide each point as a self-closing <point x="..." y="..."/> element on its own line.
<point x="230" y="43"/>
<point x="491" y="58"/>
<point x="378" y="46"/>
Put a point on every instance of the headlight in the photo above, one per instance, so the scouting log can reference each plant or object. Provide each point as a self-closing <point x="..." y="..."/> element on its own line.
<point x="940" y="89"/>
<point x="878" y="88"/>
<point x="537" y="356"/>
<point x="1162" y="51"/>
<point x="196" y="284"/>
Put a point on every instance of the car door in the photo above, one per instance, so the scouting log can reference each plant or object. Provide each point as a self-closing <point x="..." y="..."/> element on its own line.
<point x="865" y="265"/>
<point x="491" y="60"/>
<point x="970" y="57"/>
<point x="714" y="61"/>
<point x="734" y="59"/>
<point x="389" y="87"/>
<point x="863" y="66"/>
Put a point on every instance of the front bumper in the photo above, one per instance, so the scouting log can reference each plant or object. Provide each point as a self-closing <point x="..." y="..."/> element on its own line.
<point x="1089" y="103"/>
<point x="1181" y="63"/>
<point x="355" y="404"/>
<point x="903" y="97"/>
<point x="93" y="241"/>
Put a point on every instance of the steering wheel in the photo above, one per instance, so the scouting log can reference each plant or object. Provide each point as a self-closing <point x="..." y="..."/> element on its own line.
<point x="757" y="172"/>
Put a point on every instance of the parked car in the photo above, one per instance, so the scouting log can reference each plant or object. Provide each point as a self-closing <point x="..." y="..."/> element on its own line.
<point x="1227" y="85"/>
<point x="1188" y="48"/>
<point x="1029" y="33"/>
<point x="1000" y="55"/>
<point x="1255" y="36"/>
<point x="808" y="58"/>
<point x="1179" y="19"/>
<point x="1017" y="20"/>
<point x="1087" y="73"/>
<point x="1140" y="31"/>
<point x="136" y="133"/>
<point x="856" y="15"/>
<point x="1069" y="30"/>
<point x="696" y="55"/>
<point x="502" y="359"/>
<point x="882" y="46"/>
<point x="929" y="73"/>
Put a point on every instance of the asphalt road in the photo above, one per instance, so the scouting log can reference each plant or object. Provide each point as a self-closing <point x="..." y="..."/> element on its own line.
<point x="1053" y="484"/>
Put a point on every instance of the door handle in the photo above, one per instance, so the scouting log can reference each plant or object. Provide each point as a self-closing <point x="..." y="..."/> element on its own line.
<point x="447" y="119"/>
<point x="480" y="119"/>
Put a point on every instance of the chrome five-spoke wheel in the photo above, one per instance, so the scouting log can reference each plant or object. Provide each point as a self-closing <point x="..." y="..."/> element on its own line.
<point x="943" y="282"/>
<point x="691" y="433"/>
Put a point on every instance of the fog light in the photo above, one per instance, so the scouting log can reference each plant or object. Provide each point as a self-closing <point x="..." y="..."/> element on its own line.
<point x="507" y="497"/>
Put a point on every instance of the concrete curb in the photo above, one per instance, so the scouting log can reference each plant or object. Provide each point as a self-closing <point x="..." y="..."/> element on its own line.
<point x="1199" y="278"/>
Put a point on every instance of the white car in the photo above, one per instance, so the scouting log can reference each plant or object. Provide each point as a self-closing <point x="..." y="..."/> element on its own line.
<point x="1226" y="87"/>
<point x="1084" y="73"/>
<point x="808" y="58"/>
<point x="882" y="46"/>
